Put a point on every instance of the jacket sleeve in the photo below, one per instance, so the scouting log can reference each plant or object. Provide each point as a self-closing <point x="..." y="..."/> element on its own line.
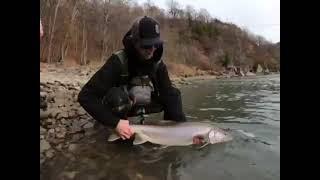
<point x="169" y="96"/>
<point x="92" y="93"/>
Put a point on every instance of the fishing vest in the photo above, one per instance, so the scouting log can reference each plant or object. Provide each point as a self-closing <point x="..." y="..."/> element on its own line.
<point x="140" y="88"/>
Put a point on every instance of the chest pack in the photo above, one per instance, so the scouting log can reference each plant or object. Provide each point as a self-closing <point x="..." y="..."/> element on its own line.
<point x="139" y="88"/>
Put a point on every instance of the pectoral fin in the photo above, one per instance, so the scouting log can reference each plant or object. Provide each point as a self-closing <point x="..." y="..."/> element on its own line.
<point x="139" y="139"/>
<point x="204" y="145"/>
<point x="113" y="137"/>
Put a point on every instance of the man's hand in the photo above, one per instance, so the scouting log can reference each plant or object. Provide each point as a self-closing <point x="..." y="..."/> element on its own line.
<point x="123" y="129"/>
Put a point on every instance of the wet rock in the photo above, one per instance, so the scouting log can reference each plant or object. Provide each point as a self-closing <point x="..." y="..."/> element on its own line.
<point x="44" y="145"/>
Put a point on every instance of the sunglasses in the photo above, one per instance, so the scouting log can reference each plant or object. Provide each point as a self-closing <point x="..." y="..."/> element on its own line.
<point x="150" y="46"/>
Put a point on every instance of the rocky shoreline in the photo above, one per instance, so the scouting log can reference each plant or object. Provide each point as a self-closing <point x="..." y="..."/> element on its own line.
<point x="63" y="121"/>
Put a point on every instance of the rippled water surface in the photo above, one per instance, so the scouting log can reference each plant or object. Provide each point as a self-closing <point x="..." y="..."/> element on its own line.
<point x="248" y="108"/>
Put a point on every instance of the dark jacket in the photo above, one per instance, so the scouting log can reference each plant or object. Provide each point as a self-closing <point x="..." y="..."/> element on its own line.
<point x="108" y="76"/>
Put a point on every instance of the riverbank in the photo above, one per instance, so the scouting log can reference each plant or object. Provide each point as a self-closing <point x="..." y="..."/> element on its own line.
<point x="63" y="122"/>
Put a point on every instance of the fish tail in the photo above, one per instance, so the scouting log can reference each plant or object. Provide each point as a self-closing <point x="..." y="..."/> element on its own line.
<point x="113" y="137"/>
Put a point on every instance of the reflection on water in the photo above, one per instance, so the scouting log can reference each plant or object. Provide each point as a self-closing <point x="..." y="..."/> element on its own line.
<point x="248" y="108"/>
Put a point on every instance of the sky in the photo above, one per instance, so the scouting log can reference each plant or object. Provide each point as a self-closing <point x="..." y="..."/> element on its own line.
<point x="261" y="17"/>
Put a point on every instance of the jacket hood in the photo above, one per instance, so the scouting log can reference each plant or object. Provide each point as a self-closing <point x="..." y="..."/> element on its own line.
<point x="135" y="64"/>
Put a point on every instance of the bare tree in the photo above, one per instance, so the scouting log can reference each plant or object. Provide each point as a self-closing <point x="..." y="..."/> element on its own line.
<point x="173" y="7"/>
<point x="105" y="23"/>
<point x="52" y="30"/>
<point x="204" y="16"/>
<point x="70" y="28"/>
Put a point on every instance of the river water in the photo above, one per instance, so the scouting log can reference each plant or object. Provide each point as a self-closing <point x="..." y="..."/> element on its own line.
<point x="248" y="108"/>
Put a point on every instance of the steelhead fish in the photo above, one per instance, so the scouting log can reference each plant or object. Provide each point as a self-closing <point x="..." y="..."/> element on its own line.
<point x="178" y="134"/>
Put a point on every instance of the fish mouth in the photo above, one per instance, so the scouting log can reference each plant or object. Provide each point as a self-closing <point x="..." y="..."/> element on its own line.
<point x="219" y="137"/>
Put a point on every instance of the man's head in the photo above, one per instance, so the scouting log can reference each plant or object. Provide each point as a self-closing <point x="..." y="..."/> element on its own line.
<point x="145" y="34"/>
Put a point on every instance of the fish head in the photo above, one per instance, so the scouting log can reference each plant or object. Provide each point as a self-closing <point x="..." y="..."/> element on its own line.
<point x="218" y="136"/>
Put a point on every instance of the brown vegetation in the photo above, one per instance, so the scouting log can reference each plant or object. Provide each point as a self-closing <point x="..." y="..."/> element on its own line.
<point x="87" y="31"/>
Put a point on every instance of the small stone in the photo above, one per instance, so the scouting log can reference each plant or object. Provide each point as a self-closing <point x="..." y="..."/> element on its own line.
<point x="88" y="125"/>
<point x="44" y="145"/>
<point x="139" y="176"/>
<point x="51" y="126"/>
<point x="54" y="140"/>
<point x="81" y="111"/>
<point x="63" y="121"/>
<point x="41" y="137"/>
<point x="73" y="147"/>
<point x="57" y="129"/>
<point x="81" y="122"/>
<point x="70" y="175"/>
<point x="43" y="94"/>
<point x="61" y="135"/>
<point x="43" y="114"/>
<point x="49" y="121"/>
<point x="42" y="161"/>
<point x="42" y="130"/>
<point x="61" y="105"/>
<point x="90" y="132"/>
<point x="50" y="153"/>
<point x="51" y="99"/>
<point x="62" y="115"/>
<point x="75" y="129"/>
<point x="51" y="131"/>
<point x="77" y="137"/>
<point x="59" y="147"/>
<point x="72" y="114"/>
<point x="54" y="113"/>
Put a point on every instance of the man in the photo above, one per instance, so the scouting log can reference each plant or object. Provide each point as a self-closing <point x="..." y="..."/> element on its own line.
<point x="133" y="80"/>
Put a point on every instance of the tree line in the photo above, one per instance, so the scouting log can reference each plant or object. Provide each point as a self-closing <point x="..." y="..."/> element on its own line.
<point x="89" y="30"/>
